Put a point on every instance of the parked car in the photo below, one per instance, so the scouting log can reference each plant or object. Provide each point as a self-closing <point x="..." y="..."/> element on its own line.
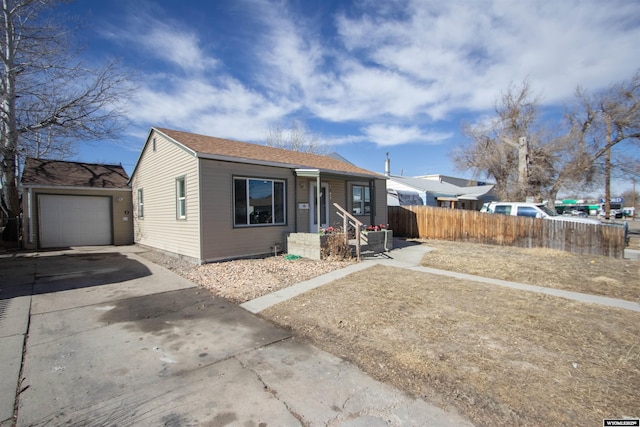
<point x="532" y="210"/>
<point x="575" y="212"/>
<point x="613" y="213"/>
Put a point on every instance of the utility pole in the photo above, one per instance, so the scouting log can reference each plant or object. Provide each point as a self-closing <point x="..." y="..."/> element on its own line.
<point x="633" y="199"/>
<point x="607" y="169"/>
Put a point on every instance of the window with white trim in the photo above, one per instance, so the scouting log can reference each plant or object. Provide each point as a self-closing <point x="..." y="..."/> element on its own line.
<point x="361" y="200"/>
<point x="181" y="198"/>
<point x="140" y="204"/>
<point x="259" y="202"/>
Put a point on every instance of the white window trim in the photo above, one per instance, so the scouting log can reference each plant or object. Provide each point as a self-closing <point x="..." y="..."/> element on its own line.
<point x="140" y="203"/>
<point x="181" y="201"/>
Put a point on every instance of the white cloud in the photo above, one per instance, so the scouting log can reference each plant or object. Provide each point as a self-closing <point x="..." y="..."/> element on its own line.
<point x="470" y="51"/>
<point x="388" y="135"/>
<point x="162" y="38"/>
<point x="226" y="109"/>
<point x="204" y="97"/>
<point x="423" y="61"/>
<point x="392" y="69"/>
<point x="180" y="48"/>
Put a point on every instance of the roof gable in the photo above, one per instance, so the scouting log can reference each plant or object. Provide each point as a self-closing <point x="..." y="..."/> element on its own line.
<point x="57" y="173"/>
<point x="212" y="147"/>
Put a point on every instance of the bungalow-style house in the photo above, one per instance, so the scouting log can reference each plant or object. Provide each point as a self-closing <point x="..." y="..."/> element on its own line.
<point x="75" y="204"/>
<point x="210" y="199"/>
<point x="439" y="191"/>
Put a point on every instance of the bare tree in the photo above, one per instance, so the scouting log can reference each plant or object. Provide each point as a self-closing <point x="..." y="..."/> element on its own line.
<point x="574" y="153"/>
<point x="49" y="98"/>
<point x="606" y="119"/>
<point x="297" y="138"/>
<point x="487" y="156"/>
<point x="505" y="149"/>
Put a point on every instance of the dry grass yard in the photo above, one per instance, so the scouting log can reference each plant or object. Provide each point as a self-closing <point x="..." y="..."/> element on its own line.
<point x="498" y="356"/>
<point x="591" y="274"/>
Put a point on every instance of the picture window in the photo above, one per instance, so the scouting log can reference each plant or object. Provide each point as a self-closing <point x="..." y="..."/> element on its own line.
<point x="259" y="202"/>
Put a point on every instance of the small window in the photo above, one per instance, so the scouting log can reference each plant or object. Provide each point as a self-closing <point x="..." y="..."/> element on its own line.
<point x="181" y="198"/>
<point x="361" y="201"/>
<point x="153" y="144"/>
<point x="140" y="204"/>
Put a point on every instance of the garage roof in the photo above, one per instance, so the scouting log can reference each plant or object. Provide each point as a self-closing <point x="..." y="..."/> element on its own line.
<point x="58" y="173"/>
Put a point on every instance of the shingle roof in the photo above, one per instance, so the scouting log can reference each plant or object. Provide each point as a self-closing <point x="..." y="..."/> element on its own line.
<point x="209" y="145"/>
<point x="73" y="174"/>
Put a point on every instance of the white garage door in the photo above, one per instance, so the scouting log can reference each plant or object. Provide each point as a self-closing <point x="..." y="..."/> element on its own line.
<point x="74" y="220"/>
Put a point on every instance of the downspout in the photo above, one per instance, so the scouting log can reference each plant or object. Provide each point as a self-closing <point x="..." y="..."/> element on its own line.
<point x="372" y="201"/>
<point x="30" y="213"/>
<point x="318" y="203"/>
<point x="295" y="201"/>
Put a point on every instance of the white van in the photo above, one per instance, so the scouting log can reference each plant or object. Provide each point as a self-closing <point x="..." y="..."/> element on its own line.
<point x="532" y="210"/>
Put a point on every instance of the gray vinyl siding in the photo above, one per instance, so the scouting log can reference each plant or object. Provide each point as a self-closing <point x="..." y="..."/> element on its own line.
<point x="121" y="213"/>
<point x="156" y="175"/>
<point x="337" y="194"/>
<point x="382" y="214"/>
<point x="220" y="239"/>
<point x="302" y="196"/>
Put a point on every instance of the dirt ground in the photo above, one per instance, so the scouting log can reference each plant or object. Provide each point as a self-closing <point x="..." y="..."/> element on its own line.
<point x="499" y="356"/>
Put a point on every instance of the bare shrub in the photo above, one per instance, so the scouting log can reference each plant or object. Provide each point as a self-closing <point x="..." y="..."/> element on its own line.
<point x="336" y="247"/>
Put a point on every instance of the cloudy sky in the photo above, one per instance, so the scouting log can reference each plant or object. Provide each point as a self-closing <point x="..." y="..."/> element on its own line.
<point x="368" y="77"/>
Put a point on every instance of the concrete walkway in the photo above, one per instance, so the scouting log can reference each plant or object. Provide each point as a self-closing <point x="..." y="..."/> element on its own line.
<point x="406" y="255"/>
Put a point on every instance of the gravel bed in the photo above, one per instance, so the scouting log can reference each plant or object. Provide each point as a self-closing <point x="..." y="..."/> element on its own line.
<point x="246" y="279"/>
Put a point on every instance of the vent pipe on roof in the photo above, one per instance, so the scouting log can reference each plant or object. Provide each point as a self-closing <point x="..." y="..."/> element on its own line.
<point x="387" y="166"/>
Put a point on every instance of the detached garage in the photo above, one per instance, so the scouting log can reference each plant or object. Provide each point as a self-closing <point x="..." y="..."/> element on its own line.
<point x="75" y="204"/>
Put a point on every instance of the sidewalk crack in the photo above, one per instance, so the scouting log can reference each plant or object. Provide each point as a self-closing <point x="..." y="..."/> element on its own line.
<point x="274" y="393"/>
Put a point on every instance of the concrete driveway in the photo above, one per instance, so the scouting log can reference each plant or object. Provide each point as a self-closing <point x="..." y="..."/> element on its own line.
<point x="112" y="339"/>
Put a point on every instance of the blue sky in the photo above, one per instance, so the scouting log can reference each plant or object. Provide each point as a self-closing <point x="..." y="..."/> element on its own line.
<point x="367" y="77"/>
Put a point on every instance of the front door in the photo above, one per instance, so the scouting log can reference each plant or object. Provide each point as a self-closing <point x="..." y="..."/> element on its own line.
<point x="313" y="210"/>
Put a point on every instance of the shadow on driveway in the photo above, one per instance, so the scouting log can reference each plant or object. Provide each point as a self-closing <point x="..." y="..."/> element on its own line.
<point x="42" y="274"/>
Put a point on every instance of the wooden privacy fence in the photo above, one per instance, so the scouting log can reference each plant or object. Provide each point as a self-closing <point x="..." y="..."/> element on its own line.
<point x="426" y="222"/>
